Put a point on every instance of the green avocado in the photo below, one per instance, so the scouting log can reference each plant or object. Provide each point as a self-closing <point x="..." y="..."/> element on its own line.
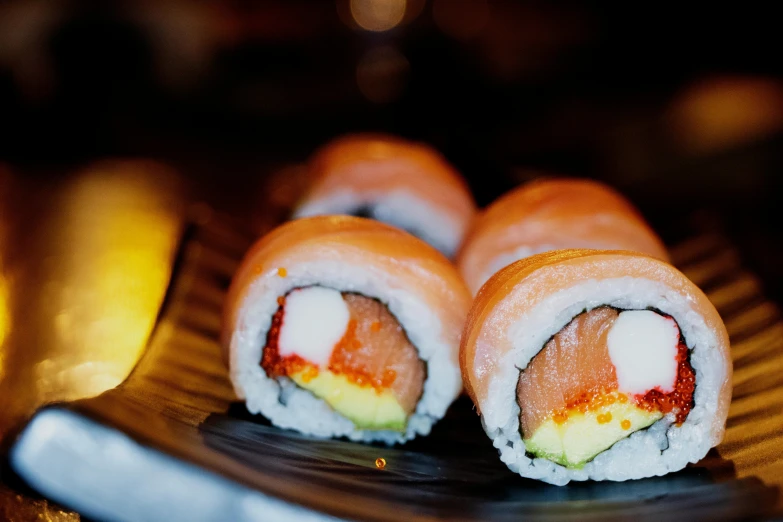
<point x="581" y="437"/>
<point x="366" y="407"/>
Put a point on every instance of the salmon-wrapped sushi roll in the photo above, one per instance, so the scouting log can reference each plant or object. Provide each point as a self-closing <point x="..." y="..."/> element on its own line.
<point x="596" y="364"/>
<point x="549" y="215"/>
<point x="346" y="327"/>
<point x="405" y="184"/>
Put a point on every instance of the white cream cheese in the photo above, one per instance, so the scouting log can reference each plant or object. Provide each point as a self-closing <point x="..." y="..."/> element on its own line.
<point x="643" y="348"/>
<point x="314" y="321"/>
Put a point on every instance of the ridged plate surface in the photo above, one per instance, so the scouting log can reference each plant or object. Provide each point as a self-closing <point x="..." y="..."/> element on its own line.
<point x="179" y="401"/>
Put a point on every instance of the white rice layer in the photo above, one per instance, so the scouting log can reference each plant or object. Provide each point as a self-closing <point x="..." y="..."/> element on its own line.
<point x="288" y="406"/>
<point x="398" y="208"/>
<point x="660" y="449"/>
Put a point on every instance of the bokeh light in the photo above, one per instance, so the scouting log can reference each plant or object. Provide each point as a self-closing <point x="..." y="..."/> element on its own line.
<point x="5" y="315"/>
<point x="378" y="15"/>
<point x="724" y="112"/>
<point x="113" y="270"/>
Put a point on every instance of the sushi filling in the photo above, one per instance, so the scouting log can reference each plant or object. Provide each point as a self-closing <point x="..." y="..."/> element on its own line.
<point x="348" y="350"/>
<point x="605" y="375"/>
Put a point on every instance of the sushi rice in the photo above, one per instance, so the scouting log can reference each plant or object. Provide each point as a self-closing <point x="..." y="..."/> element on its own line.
<point x="288" y="406"/>
<point x="660" y="449"/>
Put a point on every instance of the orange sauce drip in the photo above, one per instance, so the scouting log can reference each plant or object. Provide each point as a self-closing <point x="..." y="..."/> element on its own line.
<point x="340" y="362"/>
<point x="375" y="326"/>
<point x="681" y="399"/>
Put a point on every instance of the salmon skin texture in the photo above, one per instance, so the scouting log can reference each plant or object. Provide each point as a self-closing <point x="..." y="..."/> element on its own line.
<point x="381" y="265"/>
<point x="518" y="288"/>
<point x="364" y="169"/>
<point x="552" y="214"/>
<point x="383" y="163"/>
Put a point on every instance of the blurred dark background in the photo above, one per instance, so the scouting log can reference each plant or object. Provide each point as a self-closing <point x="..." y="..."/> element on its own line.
<point x="666" y="99"/>
<point x="680" y="107"/>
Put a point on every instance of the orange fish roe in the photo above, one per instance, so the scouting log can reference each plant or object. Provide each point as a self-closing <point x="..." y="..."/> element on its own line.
<point x="282" y="272"/>
<point x="681" y="399"/>
<point x="339" y="363"/>
<point x="310" y="373"/>
<point x="625" y="424"/>
<point x="587" y="402"/>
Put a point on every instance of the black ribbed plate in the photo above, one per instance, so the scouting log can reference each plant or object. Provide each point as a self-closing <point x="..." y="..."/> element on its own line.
<point x="172" y="443"/>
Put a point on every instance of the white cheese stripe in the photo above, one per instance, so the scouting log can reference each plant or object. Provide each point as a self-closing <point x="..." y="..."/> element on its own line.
<point x="643" y="348"/>
<point x="314" y="321"/>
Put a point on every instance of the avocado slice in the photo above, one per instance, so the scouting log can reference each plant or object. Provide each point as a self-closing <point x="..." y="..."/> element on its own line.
<point x="581" y="437"/>
<point x="366" y="407"/>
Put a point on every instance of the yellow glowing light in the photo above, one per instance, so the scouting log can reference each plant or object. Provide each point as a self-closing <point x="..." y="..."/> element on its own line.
<point x="378" y="15"/>
<point x="5" y="314"/>
<point x="5" y="321"/>
<point x="113" y="267"/>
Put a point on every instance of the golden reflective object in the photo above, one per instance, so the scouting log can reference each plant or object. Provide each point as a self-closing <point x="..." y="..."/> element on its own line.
<point x="5" y="323"/>
<point x="92" y="257"/>
<point x="19" y="508"/>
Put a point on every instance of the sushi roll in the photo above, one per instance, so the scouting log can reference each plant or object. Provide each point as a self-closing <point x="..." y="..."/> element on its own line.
<point x="548" y="215"/>
<point x="601" y="365"/>
<point x="405" y="184"/>
<point x="338" y="326"/>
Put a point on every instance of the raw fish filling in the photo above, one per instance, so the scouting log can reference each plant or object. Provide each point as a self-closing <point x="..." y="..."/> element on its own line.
<point x="348" y="350"/>
<point x="605" y="375"/>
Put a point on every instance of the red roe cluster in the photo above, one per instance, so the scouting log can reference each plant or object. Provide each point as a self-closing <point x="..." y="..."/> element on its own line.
<point x="681" y="399"/>
<point x="341" y="361"/>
